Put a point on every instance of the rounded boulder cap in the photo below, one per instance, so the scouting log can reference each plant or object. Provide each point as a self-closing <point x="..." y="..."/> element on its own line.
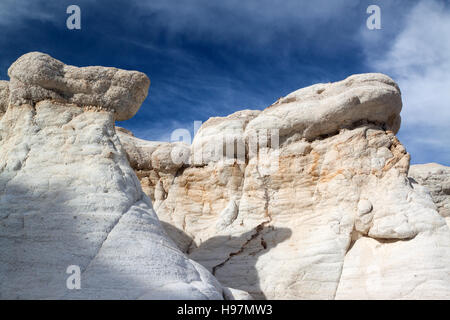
<point x="37" y="76"/>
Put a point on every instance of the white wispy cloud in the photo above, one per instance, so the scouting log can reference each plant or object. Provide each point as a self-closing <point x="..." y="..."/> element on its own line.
<point x="13" y="12"/>
<point x="418" y="58"/>
<point x="412" y="47"/>
<point x="257" y="22"/>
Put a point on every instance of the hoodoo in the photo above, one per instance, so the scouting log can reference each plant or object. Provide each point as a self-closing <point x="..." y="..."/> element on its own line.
<point x="68" y="195"/>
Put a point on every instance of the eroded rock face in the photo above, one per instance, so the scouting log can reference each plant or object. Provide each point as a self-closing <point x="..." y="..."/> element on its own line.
<point x="4" y="96"/>
<point x="152" y="162"/>
<point x="313" y="199"/>
<point x="36" y="76"/>
<point x="436" y="178"/>
<point x="324" y="109"/>
<point x="320" y="208"/>
<point x="68" y="195"/>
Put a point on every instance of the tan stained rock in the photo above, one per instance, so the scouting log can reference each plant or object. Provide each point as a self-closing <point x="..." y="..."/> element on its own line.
<point x="323" y="109"/>
<point x="292" y="218"/>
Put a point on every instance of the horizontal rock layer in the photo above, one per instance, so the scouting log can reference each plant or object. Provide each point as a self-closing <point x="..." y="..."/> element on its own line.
<point x="323" y="109"/>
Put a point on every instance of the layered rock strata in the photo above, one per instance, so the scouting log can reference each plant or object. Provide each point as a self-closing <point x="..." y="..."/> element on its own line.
<point x="307" y="199"/>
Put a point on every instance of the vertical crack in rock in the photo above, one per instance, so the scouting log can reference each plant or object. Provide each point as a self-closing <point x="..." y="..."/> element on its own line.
<point x="398" y="153"/>
<point x="258" y="230"/>
<point x="354" y="236"/>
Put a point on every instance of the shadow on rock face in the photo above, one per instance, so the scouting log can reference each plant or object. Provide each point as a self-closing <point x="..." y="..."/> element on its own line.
<point x="69" y="197"/>
<point x="181" y="238"/>
<point x="37" y="245"/>
<point x="233" y="259"/>
<point x="41" y="235"/>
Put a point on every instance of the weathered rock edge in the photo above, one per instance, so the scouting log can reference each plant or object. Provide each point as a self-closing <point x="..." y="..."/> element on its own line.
<point x="36" y="76"/>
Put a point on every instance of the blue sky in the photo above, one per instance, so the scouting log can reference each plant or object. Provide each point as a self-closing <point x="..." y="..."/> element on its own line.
<point x="210" y="58"/>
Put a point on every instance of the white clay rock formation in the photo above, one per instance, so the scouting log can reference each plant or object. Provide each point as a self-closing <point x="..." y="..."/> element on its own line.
<point x="68" y="195"/>
<point x="311" y="201"/>
<point x="436" y="178"/>
<point x="320" y="208"/>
